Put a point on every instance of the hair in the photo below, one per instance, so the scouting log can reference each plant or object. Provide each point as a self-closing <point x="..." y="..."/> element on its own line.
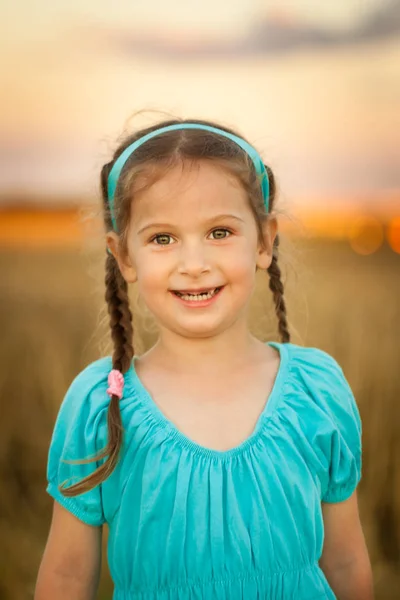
<point x="143" y="168"/>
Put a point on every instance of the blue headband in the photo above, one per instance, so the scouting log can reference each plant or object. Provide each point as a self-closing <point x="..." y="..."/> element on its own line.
<point x="121" y="160"/>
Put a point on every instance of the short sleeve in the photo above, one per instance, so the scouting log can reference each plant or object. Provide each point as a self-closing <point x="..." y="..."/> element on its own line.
<point x="75" y="436"/>
<point x="342" y="443"/>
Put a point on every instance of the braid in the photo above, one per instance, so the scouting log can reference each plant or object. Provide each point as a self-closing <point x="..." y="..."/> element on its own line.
<point x="121" y="332"/>
<point x="120" y="315"/>
<point x="276" y="287"/>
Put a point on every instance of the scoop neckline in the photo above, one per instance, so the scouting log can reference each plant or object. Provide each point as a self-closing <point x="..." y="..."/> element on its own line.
<point x="174" y="433"/>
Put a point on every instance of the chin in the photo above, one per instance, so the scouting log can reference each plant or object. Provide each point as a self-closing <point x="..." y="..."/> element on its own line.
<point x="199" y="330"/>
<point x="199" y="335"/>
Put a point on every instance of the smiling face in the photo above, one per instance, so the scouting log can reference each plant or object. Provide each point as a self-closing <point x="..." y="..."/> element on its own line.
<point x="191" y="231"/>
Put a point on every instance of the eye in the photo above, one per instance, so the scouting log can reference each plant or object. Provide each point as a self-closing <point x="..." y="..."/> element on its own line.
<point x="164" y="237"/>
<point x="219" y="231"/>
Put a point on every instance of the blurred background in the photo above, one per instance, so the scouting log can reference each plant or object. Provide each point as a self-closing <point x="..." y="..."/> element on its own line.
<point x="315" y="87"/>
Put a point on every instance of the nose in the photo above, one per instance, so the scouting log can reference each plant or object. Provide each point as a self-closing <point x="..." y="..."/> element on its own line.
<point x="193" y="259"/>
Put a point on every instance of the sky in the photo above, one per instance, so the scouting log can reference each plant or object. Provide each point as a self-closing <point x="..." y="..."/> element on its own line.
<point x="327" y="119"/>
<point x="26" y="21"/>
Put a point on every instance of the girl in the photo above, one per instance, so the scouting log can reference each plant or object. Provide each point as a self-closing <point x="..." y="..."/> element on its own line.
<point x="224" y="467"/>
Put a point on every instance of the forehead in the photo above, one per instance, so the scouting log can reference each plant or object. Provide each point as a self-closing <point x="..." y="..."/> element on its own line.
<point x="189" y="191"/>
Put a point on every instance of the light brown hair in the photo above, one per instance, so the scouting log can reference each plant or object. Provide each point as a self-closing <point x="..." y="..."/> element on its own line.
<point x="147" y="164"/>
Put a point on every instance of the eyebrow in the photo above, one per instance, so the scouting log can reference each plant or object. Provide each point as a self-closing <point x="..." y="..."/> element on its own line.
<point x="169" y="226"/>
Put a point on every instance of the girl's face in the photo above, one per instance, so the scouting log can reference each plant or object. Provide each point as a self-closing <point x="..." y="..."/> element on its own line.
<point x="193" y="231"/>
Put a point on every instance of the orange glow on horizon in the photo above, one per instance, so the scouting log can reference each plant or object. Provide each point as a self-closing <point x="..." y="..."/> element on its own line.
<point x="32" y="228"/>
<point x="67" y="227"/>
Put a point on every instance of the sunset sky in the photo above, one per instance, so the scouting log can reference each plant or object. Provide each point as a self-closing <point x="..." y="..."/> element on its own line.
<point x="325" y="119"/>
<point x="24" y="20"/>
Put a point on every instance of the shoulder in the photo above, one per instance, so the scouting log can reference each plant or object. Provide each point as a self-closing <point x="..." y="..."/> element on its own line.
<point x="317" y="383"/>
<point x="91" y="376"/>
<point x="86" y="396"/>
<point x="81" y="417"/>
<point x="85" y="403"/>
<point x="314" y="367"/>
<point x="321" y="408"/>
<point x="309" y="357"/>
<point x="83" y="409"/>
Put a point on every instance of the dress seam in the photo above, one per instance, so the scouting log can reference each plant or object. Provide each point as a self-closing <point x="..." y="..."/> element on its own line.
<point x="74" y="505"/>
<point x="226" y="580"/>
<point x="173" y="434"/>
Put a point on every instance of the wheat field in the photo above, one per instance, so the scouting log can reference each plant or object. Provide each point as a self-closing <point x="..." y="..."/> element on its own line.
<point x="53" y="324"/>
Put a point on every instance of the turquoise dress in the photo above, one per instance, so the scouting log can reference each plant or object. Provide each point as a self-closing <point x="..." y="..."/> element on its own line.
<point x="191" y="523"/>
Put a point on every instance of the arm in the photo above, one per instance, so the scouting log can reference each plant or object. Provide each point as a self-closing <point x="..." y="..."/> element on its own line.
<point x="345" y="560"/>
<point x="71" y="562"/>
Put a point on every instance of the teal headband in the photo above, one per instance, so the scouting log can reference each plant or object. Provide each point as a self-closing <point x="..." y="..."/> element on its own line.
<point x="121" y="160"/>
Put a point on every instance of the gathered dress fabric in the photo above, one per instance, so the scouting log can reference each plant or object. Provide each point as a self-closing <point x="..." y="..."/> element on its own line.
<point x="188" y="522"/>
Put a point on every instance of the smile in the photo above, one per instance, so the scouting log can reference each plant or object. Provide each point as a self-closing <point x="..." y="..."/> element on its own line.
<point x="198" y="297"/>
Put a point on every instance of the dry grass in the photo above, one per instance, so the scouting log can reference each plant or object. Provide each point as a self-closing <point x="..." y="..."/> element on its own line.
<point x="343" y="303"/>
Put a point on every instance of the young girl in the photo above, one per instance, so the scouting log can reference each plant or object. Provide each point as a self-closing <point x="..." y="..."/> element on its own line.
<point x="224" y="467"/>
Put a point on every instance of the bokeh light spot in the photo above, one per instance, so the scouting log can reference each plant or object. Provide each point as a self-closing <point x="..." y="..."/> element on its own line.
<point x="393" y="234"/>
<point x="366" y="235"/>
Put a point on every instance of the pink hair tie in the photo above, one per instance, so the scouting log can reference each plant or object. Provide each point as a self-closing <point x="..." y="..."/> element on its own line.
<point x="116" y="383"/>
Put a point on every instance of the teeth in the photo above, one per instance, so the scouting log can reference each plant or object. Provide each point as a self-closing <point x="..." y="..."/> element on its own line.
<point x="197" y="297"/>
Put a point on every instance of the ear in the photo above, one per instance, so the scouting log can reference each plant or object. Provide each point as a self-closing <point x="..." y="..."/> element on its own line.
<point x="265" y="250"/>
<point x="126" y="265"/>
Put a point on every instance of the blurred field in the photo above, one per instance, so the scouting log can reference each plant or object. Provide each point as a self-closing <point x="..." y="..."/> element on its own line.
<point x="53" y="324"/>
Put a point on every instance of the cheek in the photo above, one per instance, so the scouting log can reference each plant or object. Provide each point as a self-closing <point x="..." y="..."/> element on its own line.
<point x="152" y="273"/>
<point x="241" y="265"/>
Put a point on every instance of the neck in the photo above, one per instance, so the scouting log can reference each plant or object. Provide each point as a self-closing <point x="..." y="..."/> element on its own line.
<point x="233" y="348"/>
